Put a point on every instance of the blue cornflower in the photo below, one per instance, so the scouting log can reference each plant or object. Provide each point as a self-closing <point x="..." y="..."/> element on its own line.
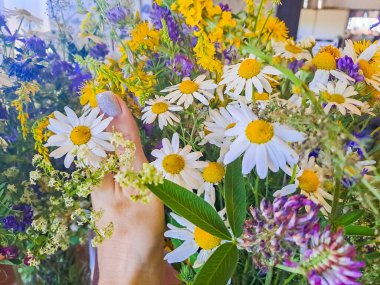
<point x="36" y="46"/>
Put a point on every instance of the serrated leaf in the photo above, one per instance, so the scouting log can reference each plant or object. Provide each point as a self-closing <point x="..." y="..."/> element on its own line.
<point x="349" y="218"/>
<point x="357" y="230"/>
<point x="235" y="197"/>
<point x="191" y="207"/>
<point x="219" y="267"/>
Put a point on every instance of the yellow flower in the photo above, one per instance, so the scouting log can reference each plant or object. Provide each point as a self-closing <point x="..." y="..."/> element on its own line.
<point x="143" y="37"/>
<point x="361" y="46"/>
<point x="274" y="29"/>
<point x="205" y="53"/>
<point x="88" y="94"/>
<point x="41" y="135"/>
<point x="335" y="52"/>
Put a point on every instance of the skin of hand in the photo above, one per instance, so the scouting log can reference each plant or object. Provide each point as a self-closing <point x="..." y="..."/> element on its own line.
<point x="134" y="254"/>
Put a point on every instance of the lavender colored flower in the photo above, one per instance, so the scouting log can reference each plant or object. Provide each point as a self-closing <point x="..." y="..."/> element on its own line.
<point x="224" y="7"/>
<point x="36" y="46"/>
<point x="347" y="65"/>
<point x="19" y="222"/>
<point x="157" y="14"/>
<point x="295" y="65"/>
<point x="275" y="230"/>
<point x="181" y="65"/>
<point x="25" y="70"/>
<point x="9" y="252"/>
<point x="99" y="51"/>
<point x="78" y="78"/>
<point x="117" y="14"/>
<point x="328" y="259"/>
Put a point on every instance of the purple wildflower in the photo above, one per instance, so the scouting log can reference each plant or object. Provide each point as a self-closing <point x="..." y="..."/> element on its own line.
<point x="99" y="51"/>
<point x="9" y="252"/>
<point x="117" y="14"/>
<point x="295" y="65"/>
<point x="28" y="258"/>
<point x="3" y="112"/>
<point x="25" y="70"/>
<point x="328" y="259"/>
<point x="181" y="65"/>
<point x="224" y="7"/>
<point x="20" y="221"/>
<point x="347" y="65"/>
<point x="275" y="230"/>
<point x="78" y="78"/>
<point x="36" y="46"/>
<point x="157" y="14"/>
<point x="315" y="152"/>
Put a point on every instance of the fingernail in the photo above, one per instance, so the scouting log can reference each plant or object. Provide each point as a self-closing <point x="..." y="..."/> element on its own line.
<point x="108" y="103"/>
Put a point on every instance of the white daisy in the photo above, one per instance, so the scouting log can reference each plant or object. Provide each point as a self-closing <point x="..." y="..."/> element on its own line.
<point x="338" y="94"/>
<point x="309" y="180"/>
<point x="212" y="174"/>
<point x="215" y="127"/>
<point x="160" y="108"/>
<point x="179" y="165"/>
<point x="265" y="144"/>
<point x="325" y="63"/>
<point x="291" y="50"/>
<point x="366" y="60"/>
<point x="307" y="43"/>
<point x="84" y="135"/>
<point x="194" y="239"/>
<point x="187" y="90"/>
<point x="247" y="74"/>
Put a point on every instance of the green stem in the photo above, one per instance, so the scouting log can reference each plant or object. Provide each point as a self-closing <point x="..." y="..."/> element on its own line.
<point x="290" y="269"/>
<point x="289" y="279"/>
<point x="256" y="191"/>
<point x="268" y="278"/>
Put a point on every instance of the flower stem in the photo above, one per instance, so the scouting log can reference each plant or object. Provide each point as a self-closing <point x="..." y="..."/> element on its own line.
<point x="268" y="279"/>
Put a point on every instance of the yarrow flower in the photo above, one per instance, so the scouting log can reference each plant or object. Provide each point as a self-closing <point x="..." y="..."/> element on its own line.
<point x="179" y="165"/>
<point x="264" y="144"/>
<point x="276" y="229"/>
<point x="83" y="136"/>
<point x="328" y="259"/>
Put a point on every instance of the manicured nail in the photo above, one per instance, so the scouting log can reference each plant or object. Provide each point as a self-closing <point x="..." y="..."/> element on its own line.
<point x="108" y="103"/>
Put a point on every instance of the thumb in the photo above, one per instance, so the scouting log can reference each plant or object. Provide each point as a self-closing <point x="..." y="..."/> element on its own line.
<point x="123" y="122"/>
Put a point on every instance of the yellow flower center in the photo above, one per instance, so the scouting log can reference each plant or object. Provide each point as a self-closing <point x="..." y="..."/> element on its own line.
<point x="367" y="68"/>
<point x="259" y="132"/>
<point x="188" y="87"/>
<point x="213" y="173"/>
<point x="296" y="89"/>
<point x="80" y="135"/>
<point x="230" y="126"/>
<point x="249" y="68"/>
<point x="261" y="96"/>
<point x="335" y="52"/>
<point x="308" y="181"/>
<point x="205" y="240"/>
<point x="173" y="163"/>
<point x="160" y="107"/>
<point x="324" y="60"/>
<point x="293" y="48"/>
<point x="334" y="98"/>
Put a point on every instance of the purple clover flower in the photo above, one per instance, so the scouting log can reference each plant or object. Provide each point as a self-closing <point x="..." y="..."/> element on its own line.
<point x="347" y="65"/>
<point x="99" y="51"/>
<point x="21" y="221"/>
<point x="117" y="14"/>
<point x="328" y="259"/>
<point x="157" y="14"/>
<point x="9" y="252"/>
<point x="181" y="65"/>
<point x="224" y="7"/>
<point x="36" y="46"/>
<point x="275" y="230"/>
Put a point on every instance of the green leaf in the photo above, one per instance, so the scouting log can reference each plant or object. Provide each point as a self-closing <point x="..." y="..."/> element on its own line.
<point x="356" y="230"/>
<point x="191" y="207"/>
<point x="349" y="218"/>
<point x="219" y="267"/>
<point x="235" y="196"/>
<point x="11" y="261"/>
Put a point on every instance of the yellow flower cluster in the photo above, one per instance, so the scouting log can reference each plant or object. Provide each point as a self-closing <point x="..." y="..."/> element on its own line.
<point x="205" y="53"/>
<point x="143" y="38"/>
<point x="24" y="92"/>
<point x="272" y="28"/>
<point x="41" y="135"/>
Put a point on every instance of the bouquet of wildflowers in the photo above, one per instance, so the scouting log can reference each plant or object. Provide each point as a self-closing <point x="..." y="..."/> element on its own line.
<point x="262" y="147"/>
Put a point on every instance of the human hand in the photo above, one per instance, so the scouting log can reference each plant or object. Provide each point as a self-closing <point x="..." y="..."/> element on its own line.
<point x="134" y="254"/>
